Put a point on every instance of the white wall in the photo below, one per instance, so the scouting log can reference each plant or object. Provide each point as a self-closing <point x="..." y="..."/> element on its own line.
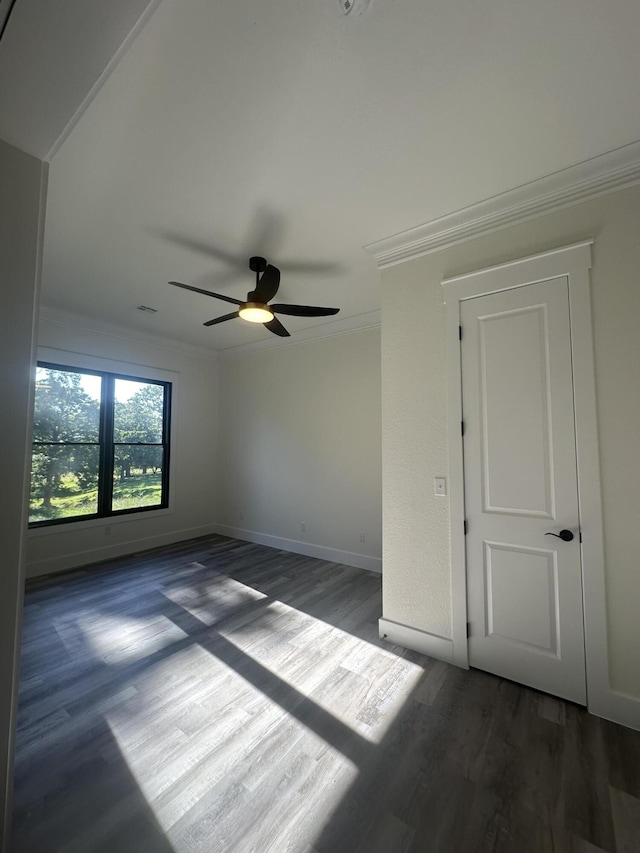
<point x="416" y="581"/>
<point x="193" y="477"/>
<point x="300" y="443"/>
<point x="22" y="186"/>
<point x="417" y="571"/>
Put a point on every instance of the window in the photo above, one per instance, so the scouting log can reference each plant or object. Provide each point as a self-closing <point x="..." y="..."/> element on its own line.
<point x="100" y="445"/>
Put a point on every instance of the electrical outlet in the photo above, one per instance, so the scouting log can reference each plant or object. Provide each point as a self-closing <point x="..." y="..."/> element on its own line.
<point x="362" y="537"/>
<point x="440" y="486"/>
<point x="303" y="527"/>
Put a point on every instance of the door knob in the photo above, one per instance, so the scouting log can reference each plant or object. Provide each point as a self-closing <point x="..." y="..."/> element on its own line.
<point x="565" y="535"/>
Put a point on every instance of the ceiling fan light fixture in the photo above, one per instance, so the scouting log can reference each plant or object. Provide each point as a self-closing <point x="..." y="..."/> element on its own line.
<point x="256" y="312"/>
<point x="257" y="309"/>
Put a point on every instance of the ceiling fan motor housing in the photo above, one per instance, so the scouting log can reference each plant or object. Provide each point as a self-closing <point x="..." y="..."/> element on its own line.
<point x="257" y="264"/>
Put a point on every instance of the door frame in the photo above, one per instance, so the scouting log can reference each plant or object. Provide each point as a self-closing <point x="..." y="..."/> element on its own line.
<point x="573" y="264"/>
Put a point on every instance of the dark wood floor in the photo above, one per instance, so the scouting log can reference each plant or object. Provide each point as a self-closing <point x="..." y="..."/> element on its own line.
<point x="222" y="696"/>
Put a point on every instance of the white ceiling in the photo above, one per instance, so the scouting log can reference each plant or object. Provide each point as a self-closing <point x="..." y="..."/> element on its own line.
<point x="283" y="128"/>
<point x="52" y="55"/>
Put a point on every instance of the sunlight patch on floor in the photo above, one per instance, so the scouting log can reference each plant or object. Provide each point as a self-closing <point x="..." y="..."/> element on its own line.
<point x="118" y="639"/>
<point x="213" y="598"/>
<point x="240" y="750"/>
<point x="363" y="695"/>
<point x="271" y="688"/>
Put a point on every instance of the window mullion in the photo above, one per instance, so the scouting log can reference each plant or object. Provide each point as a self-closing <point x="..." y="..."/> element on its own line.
<point x="166" y="426"/>
<point x="105" y="488"/>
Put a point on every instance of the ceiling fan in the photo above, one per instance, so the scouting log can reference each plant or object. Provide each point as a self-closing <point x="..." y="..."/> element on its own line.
<point x="256" y="309"/>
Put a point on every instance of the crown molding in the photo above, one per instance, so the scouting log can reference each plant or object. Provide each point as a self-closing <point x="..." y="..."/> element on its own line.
<point x="606" y="173"/>
<point x="108" y="70"/>
<point x="343" y="326"/>
<point x="124" y="333"/>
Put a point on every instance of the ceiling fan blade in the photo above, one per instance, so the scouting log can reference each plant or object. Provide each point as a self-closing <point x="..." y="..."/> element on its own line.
<point x="267" y="285"/>
<point x="277" y="328"/>
<point x="203" y="248"/>
<point x="222" y="319"/>
<point x="303" y="310"/>
<point x="302" y="267"/>
<point x="207" y="292"/>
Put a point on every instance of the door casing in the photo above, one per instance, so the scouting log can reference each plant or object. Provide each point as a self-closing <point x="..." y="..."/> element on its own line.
<point x="574" y="263"/>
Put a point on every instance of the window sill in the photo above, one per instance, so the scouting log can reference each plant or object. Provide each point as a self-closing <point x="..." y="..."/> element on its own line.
<point x="82" y="524"/>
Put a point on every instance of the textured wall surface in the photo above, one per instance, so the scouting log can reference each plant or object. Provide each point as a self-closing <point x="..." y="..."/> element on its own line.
<point x="416" y="555"/>
<point x="300" y="442"/>
<point x="416" y="573"/>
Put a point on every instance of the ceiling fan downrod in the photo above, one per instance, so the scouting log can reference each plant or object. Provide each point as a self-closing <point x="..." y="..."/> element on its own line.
<point x="255" y="310"/>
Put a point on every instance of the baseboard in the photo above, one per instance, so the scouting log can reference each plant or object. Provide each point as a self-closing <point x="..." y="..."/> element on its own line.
<point x="96" y="555"/>
<point x="65" y="562"/>
<point x="617" y="707"/>
<point x="307" y="549"/>
<point x="420" y="641"/>
<point x="610" y="704"/>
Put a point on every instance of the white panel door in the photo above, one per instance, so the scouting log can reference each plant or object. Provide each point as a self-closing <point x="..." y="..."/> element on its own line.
<point x="524" y="587"/>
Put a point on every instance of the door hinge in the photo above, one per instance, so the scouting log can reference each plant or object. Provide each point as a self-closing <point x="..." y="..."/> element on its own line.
<point x="580" y="535"/>
<point x="468" y="629"/>
<point x="464" y="524"/>
<point x="461" y="427"/>
<point x="460" y="332"/>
